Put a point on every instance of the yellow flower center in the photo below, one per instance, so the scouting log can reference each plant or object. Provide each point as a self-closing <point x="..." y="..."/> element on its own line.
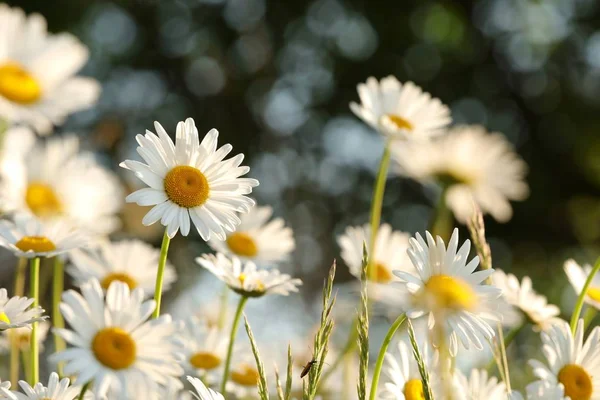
<point x="381" y="273"/>
<point x="42" y="200"/>
<point x="242" y="244"/>
<point x="447" y="292"/>
<point x="186" y="186"/>
<point x="245" y="376"/>
<point x="205" y="360"/>
<point x="37" y="244"/>
<point x="400" y="122"/>
<point x="577" y="382"/>
<point x="413" y="390"/>
<point x="4" y="318"/>
<point x="17" y="85"/>
<point x="118" y="276"/>
<point x="114" y="348"/>
<point x="594" y="293"/>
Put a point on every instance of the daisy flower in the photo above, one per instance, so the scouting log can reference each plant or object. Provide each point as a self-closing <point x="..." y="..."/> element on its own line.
<point x="130" y="261"/>
<point x="447" y="290"/>
<point x="204" y="348"/>
<point x="188" y="179"/>
<point x="243" y="379"/>
<point x="480" y="386"/>
<point x="258" y="239"/>
<point x="15" y="312"/>
<point x="245" y="279"/>
<point x="472" y="165"/>
<point x="55" y="180"/>
<point x="577" y="276"/>
<point x="27" y="237"/>
<point x="543" y="391"/>
<point x="403" y="377"/>
<point x="113" y="342"/>
<point x="21" y="337"/>
<point x="56" y="390"/>
<point x="202" y="392"/>
<point x="521" y="296"/>
<point x="37" y="82"/>
<point x="573" y="365"/>
<point x="400" y="110"/>
<point x="16" y="143"/>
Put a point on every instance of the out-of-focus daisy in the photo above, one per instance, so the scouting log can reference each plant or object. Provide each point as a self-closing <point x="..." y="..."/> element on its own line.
<point x="27" y="237"/>
<point x="403" y="378"/>
<point x="55" y="180"/>
<point x="202" y="392"/>
<point x="56" y="390"/>
<point x="573" y="364"/>
<point x="204" y="348"/>
<point x="446" y="288"/>
<point x="15" y="312"/>
<point x="4" y="386"/>
<point x="245" y="279"/>
<point x="389" y="255"/>
<point x="17" y="141"/>
<point x="258" y="239"/>
<point x="189" y="179"/>
<point x="400" y="110"/>
<point x="479" y="386"/>
<point x="176" y="392"/>
<point x="521" y="295"/>
<point x="543" y="390"/>
<point x="577" y="276"/>
<point x="130" y="261"/>
<point x="472" y="165"/>
<point x="114" y="343"/>
<point x="37" y="82"/>
<point x="243" y="379"/>
<point x="21" y="337"/>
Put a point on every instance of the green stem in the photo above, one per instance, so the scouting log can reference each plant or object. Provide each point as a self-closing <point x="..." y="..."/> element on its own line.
<point x="35" y="293"/>
<point x="58" y="285"/>
<point x="162" y="261"/>
<point x="234" y="329"/>
<point x="441" y="223"/>
<point x="581" y="298"/>
<point x="14" y="348"/>
<point x="83" y="390"/>
<point x="382" y="351"/>
<point x="508" y="339"/>
<point x="377" y="203"/>
<point x="26" y="364"/>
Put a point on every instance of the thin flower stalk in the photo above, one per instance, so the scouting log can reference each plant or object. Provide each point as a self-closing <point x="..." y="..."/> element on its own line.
<point x="288" y="379"/>
<point x="234" y="328"/>
<point x="14" y="348"/>
<point x="427" y="392"/>
<point x="382" y="351"/>
<point x="58" y="283"/>
<point x="34" y="276"/>
<point x="363" y="330"/>
<point x="581" y="298"/>
<point x="162" y="262"/>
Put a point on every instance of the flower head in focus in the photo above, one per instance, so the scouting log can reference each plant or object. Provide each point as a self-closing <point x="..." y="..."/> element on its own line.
<point x="190" y="180"/>
<point x="577" y="276"/>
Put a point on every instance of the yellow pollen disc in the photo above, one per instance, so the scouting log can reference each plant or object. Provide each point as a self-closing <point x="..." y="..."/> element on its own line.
<point x="205" y="360"/>
<point x="186" y="186"/>
<point x="4" y="318"/>
<point x="413" y="390"/>
<point x="118" y="276"/>
<point x="245" y="376"/>
<point x="17" y="85"/>
<point x="42" y="200"/>
<point x="594" y="293"/>
<point x="381" y="273"/>
<point x="449" y="292"/>
<point x="114" y="348"/>
<point x="577" y="382"/>
<point x="400" y="122"/>
<point x="37" y="244"/>
<point x="242" y="244"/>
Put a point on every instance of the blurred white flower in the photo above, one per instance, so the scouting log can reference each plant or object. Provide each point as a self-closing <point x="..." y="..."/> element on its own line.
<point x="21" y="337"/>
<point x="15" y="312"/>
<point x="204" y="349"/>
<point x="577" y="276"/>
<point x="202" y="392"/>
<point x="56" y="390"/>
<point x="37" y="82"/>
<point x="472" y="166"/>
<point x="479" y="386"/>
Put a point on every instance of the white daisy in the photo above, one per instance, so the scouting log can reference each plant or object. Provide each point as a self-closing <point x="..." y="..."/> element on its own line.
<point x="245" y="279"/>
<point x="521" y="295"/>
<point x="130" y="261"/>
<point x="37" y="82"/>
<point x="472" y="165"/>
<point x="115" y="345"/>
<point x="258" y="239"/>
<point x="28" y="237"/>
<point x="446" y="288"/>
<point x="15" y="312"/>
<point x="56" y="180"/>
<point x="204" y="349"/>
<point x="202" y="392"/>
<point x="573" y="365"/>
<point x="543" y="390"/>
<point x="403" y="377"/>
<point x="244" y="377"/>
<point x="577" y="276"/>
<point x="400" y="110"/>
<point x="389" y="255"/>
<point x="56" y="390"/>
<point x="21" y="337"/>
<point x="480" y="386"/>
<point x="17" y="141"/>
<point x="189" y="180"/>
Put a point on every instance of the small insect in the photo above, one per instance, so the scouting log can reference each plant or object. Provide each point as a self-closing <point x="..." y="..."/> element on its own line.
<point x="306" y="368"/>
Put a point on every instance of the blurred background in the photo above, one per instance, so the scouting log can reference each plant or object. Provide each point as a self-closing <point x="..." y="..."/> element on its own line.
<point x="276" y="79"/>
